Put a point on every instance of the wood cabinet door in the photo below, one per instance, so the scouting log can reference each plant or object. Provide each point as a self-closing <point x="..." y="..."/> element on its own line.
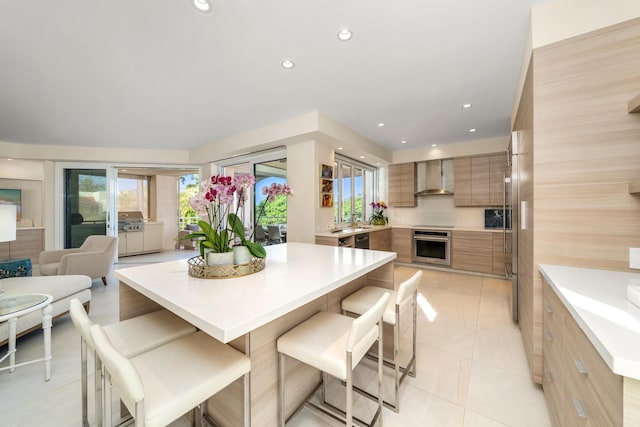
<point x="402" y="243"/>
<point x="402" y="185"/>
<point x="498" y="168"/>
<point x="480" y="172"/>
<point x="380" y="240"/>
<point x="462" y="181"/>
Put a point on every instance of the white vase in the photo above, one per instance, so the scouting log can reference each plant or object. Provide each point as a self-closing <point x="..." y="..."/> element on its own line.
<point x="241" y="255"/>
<point x="222" y="258"/>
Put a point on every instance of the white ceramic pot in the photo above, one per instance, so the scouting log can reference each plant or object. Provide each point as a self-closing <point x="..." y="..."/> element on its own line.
<point x="241" y="255"/>
<point x="223" y="258"/>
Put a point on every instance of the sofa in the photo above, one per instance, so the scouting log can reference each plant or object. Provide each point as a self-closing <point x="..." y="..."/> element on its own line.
<point x="61" y="288"/>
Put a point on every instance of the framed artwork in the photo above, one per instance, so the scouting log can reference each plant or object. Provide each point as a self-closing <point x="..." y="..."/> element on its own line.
<point x="326" y="171"/>
<point x="326" y="185"/>
<point x="326" y="200"/>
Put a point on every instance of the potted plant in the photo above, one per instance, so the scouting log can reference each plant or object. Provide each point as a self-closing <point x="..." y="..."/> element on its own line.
<point x="377" y="216"/>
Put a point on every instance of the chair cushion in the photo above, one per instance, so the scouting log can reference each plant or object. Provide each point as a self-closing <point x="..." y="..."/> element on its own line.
<point x="178" y="376"/>
<point x="49" y="269"/>
<point x="321" y="342"/>
<point x="15" y="268"/>
<point x="139" y="334"/>
<point x="363" y="299"/>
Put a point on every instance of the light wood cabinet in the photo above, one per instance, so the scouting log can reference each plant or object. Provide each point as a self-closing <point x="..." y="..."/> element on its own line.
<point x="579" y="387"/>
<point x="634" y="105"/>
<point x="402" y="185"/>
<point x="152" y="237"/>
<point x="380" y="240"/>
<point x="28" y="244"/>
<point x="472" y="251"/>
<point x="402" y="243"/>
<point x="479" y="180"/>
<point x="498" y="254"/>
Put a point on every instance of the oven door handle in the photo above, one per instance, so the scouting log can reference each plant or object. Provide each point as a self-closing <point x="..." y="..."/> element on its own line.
<point x="432" y="239"/>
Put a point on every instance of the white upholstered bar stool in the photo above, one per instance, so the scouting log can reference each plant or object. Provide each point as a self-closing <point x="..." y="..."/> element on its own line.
<point x="130" y="337"/>
<point x="334" y="344"/>
<point x="361" y="300"/>
<point x="162" y="384"/>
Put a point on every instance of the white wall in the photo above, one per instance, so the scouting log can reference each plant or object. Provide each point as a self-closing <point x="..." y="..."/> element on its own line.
<point x="468" y="148"/>
<point x="437" y="210"/>
<point x="167" y="208"/>
<point x="302" y="208"/>
<point x="28" y="176"/>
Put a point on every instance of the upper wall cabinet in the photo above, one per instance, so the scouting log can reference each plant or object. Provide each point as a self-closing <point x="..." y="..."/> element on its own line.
<point x="402" y="185"/>
<point x="479" y="180"/>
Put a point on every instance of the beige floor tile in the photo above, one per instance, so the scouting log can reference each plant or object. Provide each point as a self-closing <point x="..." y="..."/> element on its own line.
<point x="422" y="409"/>
<point x="509" y="398"/>
<point x="443" y="374"/>
<point x="473" y="419"/>
<point x="448" y="337"/>
<point x="501" y="349"/>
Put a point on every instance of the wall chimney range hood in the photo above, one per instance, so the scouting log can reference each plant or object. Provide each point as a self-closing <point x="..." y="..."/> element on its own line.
<point x="435" y="177"/>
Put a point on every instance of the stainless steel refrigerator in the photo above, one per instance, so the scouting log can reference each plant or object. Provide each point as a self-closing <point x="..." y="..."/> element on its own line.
<point x="512" y="203"/>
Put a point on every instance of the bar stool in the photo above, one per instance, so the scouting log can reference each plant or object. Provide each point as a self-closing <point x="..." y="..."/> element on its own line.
<point x="162" y="384"/>
<point x="334" y="344"/>
<point x="361" y="300"/>
<point x="130" y="337"/>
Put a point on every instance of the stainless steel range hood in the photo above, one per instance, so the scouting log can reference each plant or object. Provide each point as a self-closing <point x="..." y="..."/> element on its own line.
<point x="435" y="177"/>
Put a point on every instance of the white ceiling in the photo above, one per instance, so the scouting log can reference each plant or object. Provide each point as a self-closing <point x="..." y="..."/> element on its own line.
<point x="160" y="74"/>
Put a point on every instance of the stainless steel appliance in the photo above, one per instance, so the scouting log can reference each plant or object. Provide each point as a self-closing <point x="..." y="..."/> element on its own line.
<point x="510" y="237"/>
<point x="130" y="221"/>
<point x="432" y="245"/>
<point x="362" y="240"/>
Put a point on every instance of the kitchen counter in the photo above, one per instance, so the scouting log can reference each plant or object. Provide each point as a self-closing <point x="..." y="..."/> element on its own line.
<point x="295" y="274"/>
<point x="251" y="312"/>
<point x="597" y="301"/>
<point x="455" y="228"/>
<point x="352" y="231"/>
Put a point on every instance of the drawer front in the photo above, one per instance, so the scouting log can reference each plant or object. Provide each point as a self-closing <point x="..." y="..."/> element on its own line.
<point x="589" y="378"/>
<point x="472" y="262"/>
<point x="552" y="383"/>
<point x="553" y="311"/>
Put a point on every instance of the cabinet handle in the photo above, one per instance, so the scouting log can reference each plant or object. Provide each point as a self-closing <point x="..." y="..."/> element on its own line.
<point x="548" y="308"/>
<point x="580" y="366"/>
<point x="548" y="376"/>
<point x="548" y="336"/>
<point x="582" y="413"/>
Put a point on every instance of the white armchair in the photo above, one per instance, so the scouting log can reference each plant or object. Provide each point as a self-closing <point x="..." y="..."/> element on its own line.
<point x="94" y="259"/>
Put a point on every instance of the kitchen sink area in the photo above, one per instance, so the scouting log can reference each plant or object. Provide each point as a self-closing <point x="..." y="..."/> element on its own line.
<point x="352" y="229"/>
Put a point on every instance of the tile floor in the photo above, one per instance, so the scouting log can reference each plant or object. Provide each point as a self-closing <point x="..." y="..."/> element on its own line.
<point x="471" y="366"/>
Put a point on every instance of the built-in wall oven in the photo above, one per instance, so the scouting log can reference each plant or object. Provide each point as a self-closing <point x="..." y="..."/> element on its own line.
<point x="431" y="246"/>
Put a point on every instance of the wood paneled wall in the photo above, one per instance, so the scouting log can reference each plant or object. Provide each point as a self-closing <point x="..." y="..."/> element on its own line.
<point x="587" y="150"/>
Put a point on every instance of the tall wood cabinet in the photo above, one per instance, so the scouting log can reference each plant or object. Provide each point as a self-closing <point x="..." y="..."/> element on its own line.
<point x="402" y="185"/>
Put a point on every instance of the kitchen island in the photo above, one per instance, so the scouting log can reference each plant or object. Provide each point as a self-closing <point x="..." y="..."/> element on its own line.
<point x="251" y="312"/>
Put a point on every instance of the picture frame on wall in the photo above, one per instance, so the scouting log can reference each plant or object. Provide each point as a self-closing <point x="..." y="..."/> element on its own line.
<point x="326" y="200"/>
<point x="326" y="185"/>
<point x="326" y="171"/>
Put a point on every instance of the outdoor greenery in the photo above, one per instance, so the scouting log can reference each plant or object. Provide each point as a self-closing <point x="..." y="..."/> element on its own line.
<point x="274" y="212"/>
<point x="186" y="211"/>
<point x="346" y="209"/>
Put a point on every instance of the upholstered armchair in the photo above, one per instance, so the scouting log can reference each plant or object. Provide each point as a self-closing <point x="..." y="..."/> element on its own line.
<point x="94" y="259"/>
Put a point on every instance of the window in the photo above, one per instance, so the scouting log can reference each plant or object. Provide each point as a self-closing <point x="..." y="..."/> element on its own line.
<point x="353" y="188"/>
<point x="133" y="194"/>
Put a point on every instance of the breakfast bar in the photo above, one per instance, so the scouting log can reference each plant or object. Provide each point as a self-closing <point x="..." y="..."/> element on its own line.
<point x="252" y="311"/>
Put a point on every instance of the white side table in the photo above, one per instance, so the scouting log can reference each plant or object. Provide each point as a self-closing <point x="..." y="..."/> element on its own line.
<point x="14" y="306"/>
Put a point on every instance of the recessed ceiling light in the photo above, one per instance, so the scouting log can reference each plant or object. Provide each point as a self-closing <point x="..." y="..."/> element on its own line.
<point x="340" y="148"/>
<point x="288" y="64"/>
<point x="434" y="145"/>
<point x="202" y="5"/>
<point x="467" y="105"/>
<point x="345" y="34"/>
<point x="380" y="124"/>
<point x="362" y="157"/>
<point x="378" y="164"/>
<point x="473" y="130"/>
<point x="10" y="160"/>
<point x="404" y="141"/>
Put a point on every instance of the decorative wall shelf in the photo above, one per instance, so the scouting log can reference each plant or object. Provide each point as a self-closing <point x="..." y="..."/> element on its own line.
<point x="634" y="105"/>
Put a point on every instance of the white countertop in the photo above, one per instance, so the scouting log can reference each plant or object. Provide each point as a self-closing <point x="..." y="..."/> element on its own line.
<point x="597" y="300"/>
<point x="454" y="228"/>
<point x="352" y="231"/>
<point x="295" y="274"/>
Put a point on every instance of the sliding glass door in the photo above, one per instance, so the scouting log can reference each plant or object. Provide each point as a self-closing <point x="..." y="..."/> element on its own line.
<point x="85" y="205"/>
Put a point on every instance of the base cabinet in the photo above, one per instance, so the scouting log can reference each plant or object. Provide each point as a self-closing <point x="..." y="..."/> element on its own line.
<point x="472" y="251"/>
<point x="140" y="242"/>
<point x="401" y="243"/>
<point x="28" y="244"/>
<point x="579" y="387"/>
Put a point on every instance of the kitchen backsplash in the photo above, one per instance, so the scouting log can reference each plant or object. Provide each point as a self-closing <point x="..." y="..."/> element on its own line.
<point x="437" y="210"/>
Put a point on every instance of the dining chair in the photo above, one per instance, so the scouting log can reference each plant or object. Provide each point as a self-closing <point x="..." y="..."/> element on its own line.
<point x="273" y="232"/>
<point x="130" y="337"/>
<point x="404" y="298"/>
<point x="162" y="384"/>
<point x="334" y="344"/>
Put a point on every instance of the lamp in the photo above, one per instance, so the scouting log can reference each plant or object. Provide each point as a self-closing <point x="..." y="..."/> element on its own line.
<point x="7" y="225"/>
